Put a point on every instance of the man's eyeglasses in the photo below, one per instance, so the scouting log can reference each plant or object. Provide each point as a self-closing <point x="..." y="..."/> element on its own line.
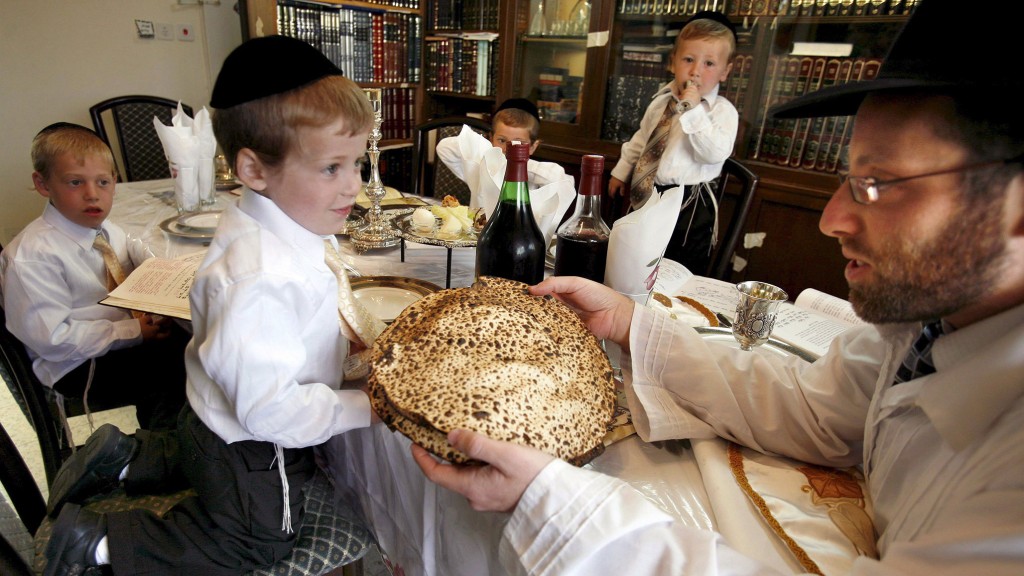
<point x="867" y="189"/>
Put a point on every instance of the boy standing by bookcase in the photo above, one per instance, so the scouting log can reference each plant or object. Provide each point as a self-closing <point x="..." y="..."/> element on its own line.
<point x="687" y="133"/>
<point x="56" y="270"/>
<point x="265" y="364"/>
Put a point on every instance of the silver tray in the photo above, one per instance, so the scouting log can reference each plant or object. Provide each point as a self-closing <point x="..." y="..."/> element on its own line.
<point x="724" y="335"/>
<point x="434" y="237"/>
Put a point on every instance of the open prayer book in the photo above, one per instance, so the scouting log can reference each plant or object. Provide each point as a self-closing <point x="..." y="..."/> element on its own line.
<point x="159" y="286"/>
<point x="810" y="323"/>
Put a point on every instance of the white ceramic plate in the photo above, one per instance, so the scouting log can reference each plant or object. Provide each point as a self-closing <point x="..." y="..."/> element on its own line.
<point x="386" y="296"/>
<point x="172" y="227"/>
<point x="200" y="221"/>
<point x="724" y="335"/>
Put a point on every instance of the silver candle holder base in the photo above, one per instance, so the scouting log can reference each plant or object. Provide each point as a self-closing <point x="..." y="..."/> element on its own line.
<point x="378" y="231"/>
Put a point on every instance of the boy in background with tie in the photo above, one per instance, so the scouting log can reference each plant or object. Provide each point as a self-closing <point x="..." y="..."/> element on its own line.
<point x="265" y="365"/>
<point x="56" y="270"/>
<point x="685" y="136"/>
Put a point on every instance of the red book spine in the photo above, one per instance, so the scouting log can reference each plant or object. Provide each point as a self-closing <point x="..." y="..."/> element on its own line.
<point x="377" y="40"/>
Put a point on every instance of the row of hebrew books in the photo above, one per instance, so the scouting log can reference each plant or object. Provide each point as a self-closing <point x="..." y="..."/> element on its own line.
<point x="807" y="143"/>
<point x="742" y="8"/>
<point x="458" y="15"/>
<point x="820" y="7"/>
<point x="398" y="113"/>
<point x="462" y="64"/>
<point x="368" y="46"/>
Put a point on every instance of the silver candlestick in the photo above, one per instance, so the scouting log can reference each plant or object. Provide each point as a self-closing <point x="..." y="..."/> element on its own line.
<point x="378" y="232"/>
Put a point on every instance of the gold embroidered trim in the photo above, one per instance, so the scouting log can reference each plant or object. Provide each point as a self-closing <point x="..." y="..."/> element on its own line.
<point x="736" y="465"/>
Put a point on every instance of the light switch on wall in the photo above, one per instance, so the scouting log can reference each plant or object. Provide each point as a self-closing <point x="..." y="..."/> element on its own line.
<point x="164" y="31"/>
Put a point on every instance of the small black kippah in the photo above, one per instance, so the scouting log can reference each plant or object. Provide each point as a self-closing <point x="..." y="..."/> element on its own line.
<point x="266" y="66"/>
<point x="66" y="126"/>
<point x="520" y="104"/>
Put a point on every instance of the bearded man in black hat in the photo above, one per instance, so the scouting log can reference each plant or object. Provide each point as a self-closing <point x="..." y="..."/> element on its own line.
<point x="928" y="399"/>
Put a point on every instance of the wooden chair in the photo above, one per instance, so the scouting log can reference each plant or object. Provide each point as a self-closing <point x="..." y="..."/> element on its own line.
<point x="137" y="148"/>
<point x="39" y="403"/>
<point x="430" y="176"/>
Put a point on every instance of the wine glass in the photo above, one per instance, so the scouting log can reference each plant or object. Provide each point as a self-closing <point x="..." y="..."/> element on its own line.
<point x="756" y="312"/>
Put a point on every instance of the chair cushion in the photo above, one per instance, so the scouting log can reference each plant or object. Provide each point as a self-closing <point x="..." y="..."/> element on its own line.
<point x="332" y="535"/>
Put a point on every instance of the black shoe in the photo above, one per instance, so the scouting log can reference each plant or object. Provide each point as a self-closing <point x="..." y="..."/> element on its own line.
<point x="72" y="547"/>
<point x="93" y="468"/>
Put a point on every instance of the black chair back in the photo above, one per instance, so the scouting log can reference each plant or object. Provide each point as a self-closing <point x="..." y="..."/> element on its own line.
<point x="30" y="395"/>
<point x="26" y="499"/>
<point x="729" y="235"/>
<point x="136" y="147"/>
<point x="430" y="176"/>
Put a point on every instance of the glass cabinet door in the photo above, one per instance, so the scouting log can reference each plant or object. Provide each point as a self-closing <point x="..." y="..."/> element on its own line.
<point x="553" y="59"/>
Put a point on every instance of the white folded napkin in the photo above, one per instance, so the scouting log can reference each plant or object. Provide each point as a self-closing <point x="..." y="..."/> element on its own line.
<point x="637" y="243"/>
<point x="552" y="191"/>
<point x="181" y="147"/>
<point x="202" y="128"/>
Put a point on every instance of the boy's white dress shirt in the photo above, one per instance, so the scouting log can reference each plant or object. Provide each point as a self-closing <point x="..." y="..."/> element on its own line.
<point x="699" y="141"/>
<point x="265" y="360"/>
<point x="52" y="281"/>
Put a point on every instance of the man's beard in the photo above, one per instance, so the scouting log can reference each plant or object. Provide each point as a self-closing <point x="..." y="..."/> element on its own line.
<point x="934" y="279"/>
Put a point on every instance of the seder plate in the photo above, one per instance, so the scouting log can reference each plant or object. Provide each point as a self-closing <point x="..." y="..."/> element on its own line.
<point x="724" y="335"/>
<point x="434" y="236"/>
<point x="386" y="296"/>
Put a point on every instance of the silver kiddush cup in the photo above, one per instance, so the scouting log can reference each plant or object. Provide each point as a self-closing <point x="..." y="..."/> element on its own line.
<point x="756" y="312"/>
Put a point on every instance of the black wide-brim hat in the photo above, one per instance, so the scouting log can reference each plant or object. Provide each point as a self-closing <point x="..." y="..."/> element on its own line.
<point x="936" y="50"/>
<point x="266" y="66"/>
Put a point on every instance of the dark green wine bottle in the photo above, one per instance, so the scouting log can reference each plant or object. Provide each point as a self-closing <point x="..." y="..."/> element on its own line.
<point x="511" y="245"/>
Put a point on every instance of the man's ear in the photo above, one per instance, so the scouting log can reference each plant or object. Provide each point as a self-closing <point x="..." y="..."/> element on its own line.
<point x="533" y="146"/>
<point x="1015" y="205"/>
<point x="40" y="183"/>
<point x="250" y="170"/>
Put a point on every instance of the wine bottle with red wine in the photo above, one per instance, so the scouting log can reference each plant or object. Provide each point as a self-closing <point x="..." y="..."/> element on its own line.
<point x="581" y="246"/>
<point x="511" y="244"/>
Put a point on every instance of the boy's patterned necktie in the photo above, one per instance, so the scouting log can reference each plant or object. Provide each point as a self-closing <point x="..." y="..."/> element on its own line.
<point x="919" y="358"/>
<point x="647" y="165"/>
<point x="115" y="274"/>
<point x="357" y="324"/>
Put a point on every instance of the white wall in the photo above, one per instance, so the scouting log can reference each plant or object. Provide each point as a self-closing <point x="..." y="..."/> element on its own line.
<point x="59" y="57"/>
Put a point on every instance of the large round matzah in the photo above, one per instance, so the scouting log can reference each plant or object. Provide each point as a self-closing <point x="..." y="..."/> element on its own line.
<point x="495" y="359"/>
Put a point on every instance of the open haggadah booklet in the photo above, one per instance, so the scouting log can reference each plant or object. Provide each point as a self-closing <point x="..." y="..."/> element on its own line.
<point x="810" y="323"/>
<point x="159" y="286"/>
